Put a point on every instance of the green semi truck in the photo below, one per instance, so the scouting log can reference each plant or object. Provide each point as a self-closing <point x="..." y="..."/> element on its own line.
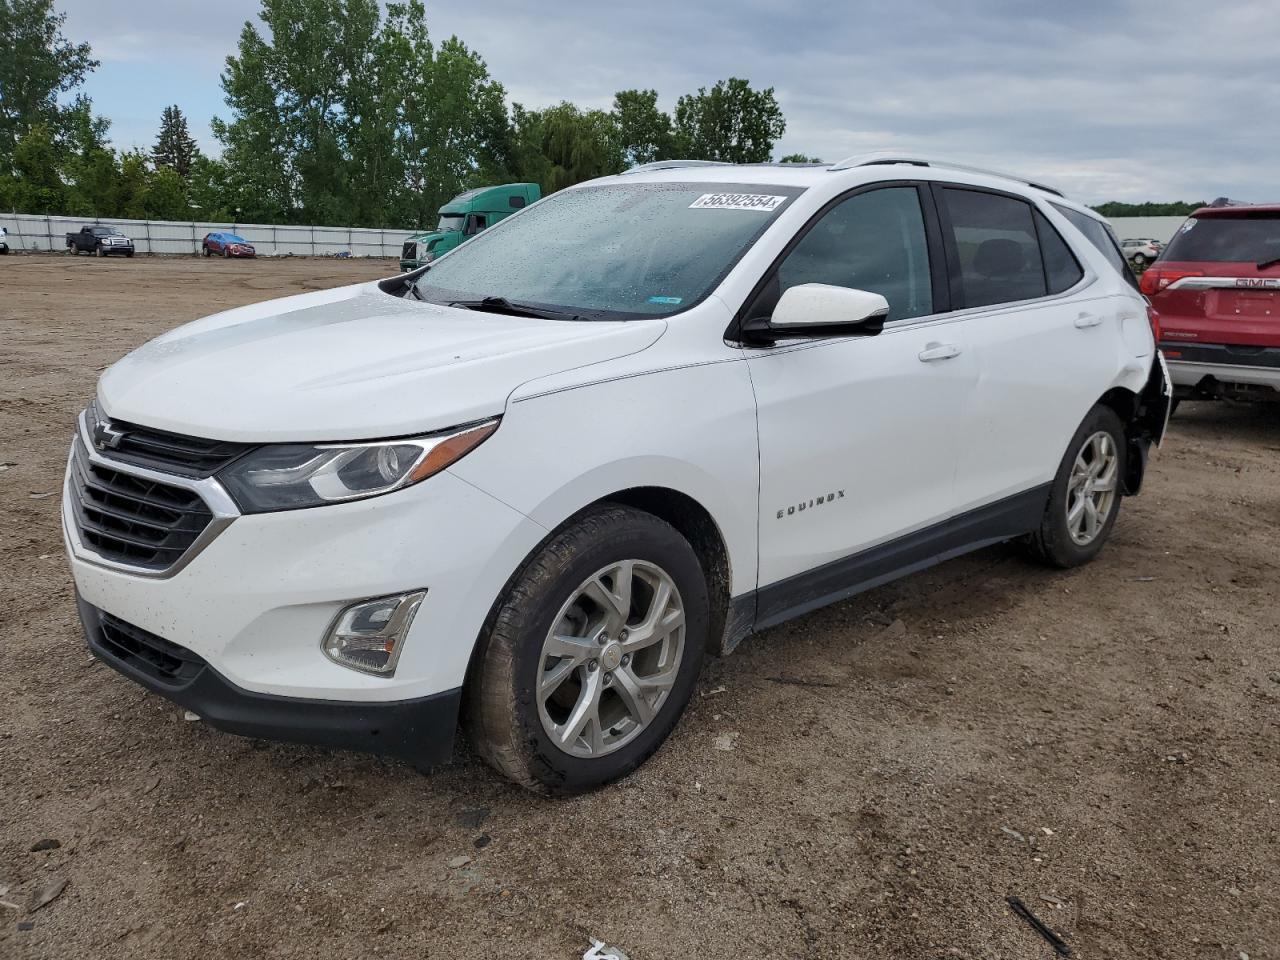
<point x="463" y="217"/>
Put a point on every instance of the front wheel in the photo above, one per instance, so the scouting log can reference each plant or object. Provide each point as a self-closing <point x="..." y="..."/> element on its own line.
<point x="1139" y="259"/>
<point x="1084" y="500"/>
<point x="206" y="251"/>
<point x="102" y="251"/>
<point x="591" y="653"/>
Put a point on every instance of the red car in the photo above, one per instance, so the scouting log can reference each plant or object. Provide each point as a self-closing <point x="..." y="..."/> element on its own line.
<point x="227" y="244"/>
<point x="1216" y="288"/>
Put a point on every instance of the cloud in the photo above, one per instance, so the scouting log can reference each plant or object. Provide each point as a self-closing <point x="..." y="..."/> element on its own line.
<point x="1110" y="100"/>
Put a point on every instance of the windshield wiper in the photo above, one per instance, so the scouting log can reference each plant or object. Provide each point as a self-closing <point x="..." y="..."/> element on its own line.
<point x="512" y="308"/>
<point x="1268" y="263"/>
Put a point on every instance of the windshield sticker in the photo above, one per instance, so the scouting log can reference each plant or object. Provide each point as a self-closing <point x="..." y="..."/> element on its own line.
<point x="737" y="201"/>
<point x="1187" y="227"/>
<point x="668" y="301"/>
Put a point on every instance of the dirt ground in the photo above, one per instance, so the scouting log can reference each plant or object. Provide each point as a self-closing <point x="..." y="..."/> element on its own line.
<point x="870" y="781"/>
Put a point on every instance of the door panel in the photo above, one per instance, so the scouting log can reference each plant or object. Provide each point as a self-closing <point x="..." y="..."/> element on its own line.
<point x="1038" y="374"/>
<point x="858" y="441"/>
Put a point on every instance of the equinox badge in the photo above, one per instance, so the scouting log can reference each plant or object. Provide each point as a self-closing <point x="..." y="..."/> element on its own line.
<point x="810" y="504"/>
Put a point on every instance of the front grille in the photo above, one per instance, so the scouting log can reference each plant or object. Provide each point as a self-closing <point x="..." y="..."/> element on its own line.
<point x="409" y="251"/>
<point x="130" y="519"/>
<point x="164" y="451"/>
<point x="155" y="656"/>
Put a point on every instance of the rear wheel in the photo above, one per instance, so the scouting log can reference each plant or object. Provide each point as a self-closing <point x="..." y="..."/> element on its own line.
<point x="1139" y="259"/>
<point x="591" y="654"/>
<point x="1085" y="498"/>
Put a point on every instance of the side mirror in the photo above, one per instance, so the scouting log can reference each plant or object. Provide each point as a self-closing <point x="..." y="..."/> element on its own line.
<point x="821" y="310"/>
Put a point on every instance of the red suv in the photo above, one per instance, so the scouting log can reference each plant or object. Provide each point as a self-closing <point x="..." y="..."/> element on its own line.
<point x="1216" y="288"/>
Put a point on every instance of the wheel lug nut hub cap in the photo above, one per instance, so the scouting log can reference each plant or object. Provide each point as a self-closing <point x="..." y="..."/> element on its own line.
<point x="611" y="656"/>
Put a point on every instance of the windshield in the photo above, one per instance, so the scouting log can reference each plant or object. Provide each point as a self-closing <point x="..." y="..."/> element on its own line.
<point x="1254" y="239"/>
<point x="611" y="252"/>
<point x="449" y="222"/>
<point x="233" y="238"/>
<point x="101" y="232"/>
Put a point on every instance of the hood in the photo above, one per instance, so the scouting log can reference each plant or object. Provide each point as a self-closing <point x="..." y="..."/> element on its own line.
<point x="348" y="364"/>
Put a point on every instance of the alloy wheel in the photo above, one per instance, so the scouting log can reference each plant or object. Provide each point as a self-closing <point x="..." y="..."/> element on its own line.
<point x="1092" y="487"/>
<point x="611" y="658"/>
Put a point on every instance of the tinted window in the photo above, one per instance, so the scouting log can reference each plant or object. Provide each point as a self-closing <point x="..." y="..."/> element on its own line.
<point x="612" y="252"/>
<point x="1061" y="269"/>
<point x="1254" y="239"/>
<point x="999" y="253"/>
<point x="873" y="241"/>
<point x="1100" y="235"/>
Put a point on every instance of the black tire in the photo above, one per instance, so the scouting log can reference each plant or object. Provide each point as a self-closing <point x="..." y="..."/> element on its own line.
<point x="129" y="254"/>
<point x="226" y="254"/>
<point x="1139" y="259"/>
<point x="205" y="248"/>
<point x="1052" y="543"/>
<point x="102" y="251"/>
<point x="500" y="711"/>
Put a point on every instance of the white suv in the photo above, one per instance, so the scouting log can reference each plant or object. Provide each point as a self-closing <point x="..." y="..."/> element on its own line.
<point x="1141" y="251"/>
<point x="531" y="485"/>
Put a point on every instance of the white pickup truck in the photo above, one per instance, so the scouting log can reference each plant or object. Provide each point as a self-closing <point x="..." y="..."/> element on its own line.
<point x="531" y="486"/>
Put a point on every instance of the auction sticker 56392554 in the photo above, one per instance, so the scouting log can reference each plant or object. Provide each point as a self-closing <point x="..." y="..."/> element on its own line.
<point x="737" y="201"/>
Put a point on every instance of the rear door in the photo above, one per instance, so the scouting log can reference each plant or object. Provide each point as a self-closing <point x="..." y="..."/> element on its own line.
<point x="1045" y="348"/>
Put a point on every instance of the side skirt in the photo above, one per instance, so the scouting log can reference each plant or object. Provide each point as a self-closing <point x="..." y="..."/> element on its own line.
<point x="805" y="592"/>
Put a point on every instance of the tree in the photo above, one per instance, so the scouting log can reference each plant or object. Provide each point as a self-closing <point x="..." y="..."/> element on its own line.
<point x="799" y="158"/>
<point x="293" y="97"/>
<point x="37" y="63"/>
<point x="644" y="131"/>
<point x="166" y="197"/>
<point x="34" y="186"/>
<point x="731" y="122"/>
<point x="579" y="145"/>
<point x="208" y="191"/>
<point x="175" y="147"/>
<point x="452" y="115"/>
<point x="1176" y="208"/>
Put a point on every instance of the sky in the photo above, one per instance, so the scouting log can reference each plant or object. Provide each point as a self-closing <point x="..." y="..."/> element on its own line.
<point x="1105" y="99"/>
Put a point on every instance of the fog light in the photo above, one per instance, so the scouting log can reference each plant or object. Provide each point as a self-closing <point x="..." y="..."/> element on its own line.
<point x="367" y="636"/>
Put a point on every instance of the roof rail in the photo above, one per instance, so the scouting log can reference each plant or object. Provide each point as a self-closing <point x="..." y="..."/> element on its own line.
<point x="887" y="159"/>
<point x="674" y="165"/>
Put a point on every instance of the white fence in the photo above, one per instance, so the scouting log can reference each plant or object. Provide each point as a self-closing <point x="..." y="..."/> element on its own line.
<point x="31" y="232"/>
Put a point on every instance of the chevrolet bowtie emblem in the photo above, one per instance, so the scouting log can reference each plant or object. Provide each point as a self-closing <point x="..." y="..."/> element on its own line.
<point x="106" y="437"/>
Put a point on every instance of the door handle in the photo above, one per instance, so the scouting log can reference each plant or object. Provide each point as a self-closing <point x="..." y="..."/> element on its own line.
<point x="1088" y="320"/>
<point x="939" y="351"/>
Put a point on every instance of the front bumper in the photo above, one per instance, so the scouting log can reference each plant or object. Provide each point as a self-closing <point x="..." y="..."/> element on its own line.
<point x="419" y="731"/>
<point x="255" y="600"/>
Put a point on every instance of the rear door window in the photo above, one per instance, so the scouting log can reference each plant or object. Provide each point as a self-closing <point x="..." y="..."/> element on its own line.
<point x="1237" y="239"/>
<point x="999" y="252"/>
<point x="1062" y="270"/>
<point x="1100" y="235"/>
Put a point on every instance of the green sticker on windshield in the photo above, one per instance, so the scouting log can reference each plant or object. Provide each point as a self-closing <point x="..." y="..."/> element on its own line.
<point x="666" y="301"/>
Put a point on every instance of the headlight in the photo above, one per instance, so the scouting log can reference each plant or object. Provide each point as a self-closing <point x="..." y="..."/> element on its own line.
<point x="291" y="476"/>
